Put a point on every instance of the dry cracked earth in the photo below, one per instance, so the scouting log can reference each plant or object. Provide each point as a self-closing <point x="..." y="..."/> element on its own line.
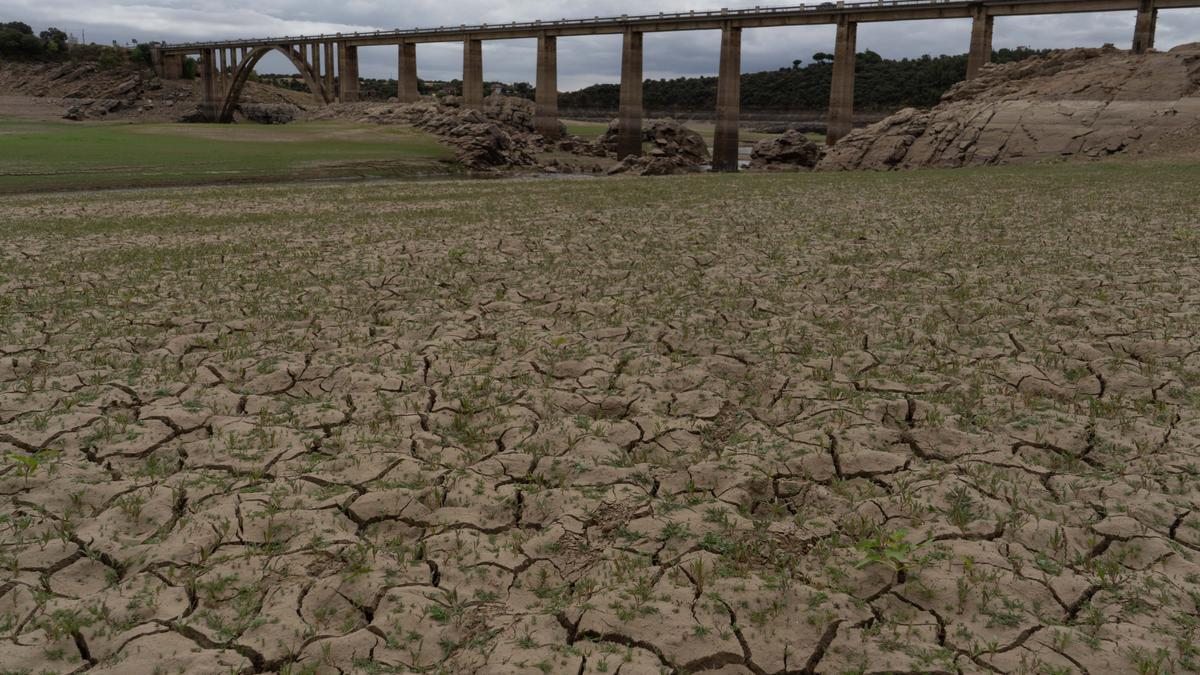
<point x="933" y="422"/>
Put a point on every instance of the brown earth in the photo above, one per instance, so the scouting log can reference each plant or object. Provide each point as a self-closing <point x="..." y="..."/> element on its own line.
<point x="799" y="423"/>
<point x="1084" y="103"/>
<point x="124" y="93"/>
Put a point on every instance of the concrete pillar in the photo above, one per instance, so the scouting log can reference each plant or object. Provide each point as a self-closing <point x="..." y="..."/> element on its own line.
<point x="172" y="67"/>
<point x="841" y="94"/>
<point x="729" y="101"/>
<point x="408" y="91"/>
<point x="629" y="131"/>
<point x="221" y="69"/>
<point x="330" y="95"/>
<point x="156" y="61"/>
<point x="981" y="41"/>
<point x="210" y="102"/>
<point x="347" y="73"/>
<point x="313" y="57"/>
<point x="1147" y="22"/>
<point x="472" y="82"/>
<point x="545" y="120"/>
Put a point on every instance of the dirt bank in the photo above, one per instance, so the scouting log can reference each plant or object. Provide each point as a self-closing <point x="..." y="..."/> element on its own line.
<point x="1085" y="103"/>
<point x="88" y="91"/>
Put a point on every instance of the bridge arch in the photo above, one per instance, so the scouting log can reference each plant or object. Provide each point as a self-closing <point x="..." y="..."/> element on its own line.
<point x="309" y="72"/>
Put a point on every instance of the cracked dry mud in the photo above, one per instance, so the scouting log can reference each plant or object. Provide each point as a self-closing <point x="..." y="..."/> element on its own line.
<point x="912" y="423"/>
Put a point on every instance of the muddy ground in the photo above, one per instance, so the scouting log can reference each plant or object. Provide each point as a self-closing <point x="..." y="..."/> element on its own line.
<point x="926" y="422"/>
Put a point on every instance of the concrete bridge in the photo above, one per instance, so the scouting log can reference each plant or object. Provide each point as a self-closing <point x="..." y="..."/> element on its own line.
<point x="329" y="63"/>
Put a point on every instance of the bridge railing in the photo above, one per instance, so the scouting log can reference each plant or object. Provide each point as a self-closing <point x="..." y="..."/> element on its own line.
<point x="816" y="7"/>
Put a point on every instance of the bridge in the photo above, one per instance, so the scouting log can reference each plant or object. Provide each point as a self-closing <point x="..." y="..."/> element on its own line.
<point x="329" y="63"/>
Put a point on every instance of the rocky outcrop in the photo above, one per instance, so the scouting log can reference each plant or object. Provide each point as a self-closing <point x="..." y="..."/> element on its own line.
<point x="791" y="150"/>
<point x="268" y="113"/>
<point x="128" y="92"/>
<point x="507" y="110"/>
<point x="676" y="149"/>
<point x="1086" y="103"/>
<point x="480" y="142"/>
<point x="652" y="165"/>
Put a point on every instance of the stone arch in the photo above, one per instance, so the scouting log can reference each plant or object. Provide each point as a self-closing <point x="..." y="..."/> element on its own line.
<point x="311" y="77"/>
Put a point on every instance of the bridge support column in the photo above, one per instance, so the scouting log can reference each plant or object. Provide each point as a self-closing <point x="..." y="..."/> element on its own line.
<point x="347" y="73"/>
<point x="545" y="120"/>
<point x="172" y="67"/>
<point x="472" y="86"/>
<point x="156" y="61"/>
<point x="729" y="101"/>
<point x="327" y="64"/>
<point x="629" y="130"/>
<point x="841" y="95"/>
<point x="407" y="79"/>
<point x="1147" y="22"/>
<point x="981" y="41"/>
<point x="210" y="102"/>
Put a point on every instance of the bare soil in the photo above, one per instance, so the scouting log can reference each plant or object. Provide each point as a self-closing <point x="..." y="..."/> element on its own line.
<point x="939" y="422"/>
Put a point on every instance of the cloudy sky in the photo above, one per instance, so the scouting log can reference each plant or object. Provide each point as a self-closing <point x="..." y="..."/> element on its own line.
<point x="582" y="60"/>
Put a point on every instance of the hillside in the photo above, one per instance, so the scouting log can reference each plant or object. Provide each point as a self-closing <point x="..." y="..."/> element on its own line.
<point x="1071" y="103"/>
<point x="95" y="90"/>
<point x="880" y="85"/>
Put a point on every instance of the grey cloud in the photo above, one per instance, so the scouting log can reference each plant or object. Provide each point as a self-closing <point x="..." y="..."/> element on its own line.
<point x="582" y="60"/>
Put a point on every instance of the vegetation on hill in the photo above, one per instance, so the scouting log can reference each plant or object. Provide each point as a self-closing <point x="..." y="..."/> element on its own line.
<point x="19" y="43"/>
<point x="372" y="89"/>
<point x="880" y="85"/>
<point x="17" y="40"/>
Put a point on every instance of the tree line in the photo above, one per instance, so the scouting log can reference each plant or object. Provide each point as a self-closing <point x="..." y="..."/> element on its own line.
<point x="18" y="42"/>
<point x="879" y="85"/>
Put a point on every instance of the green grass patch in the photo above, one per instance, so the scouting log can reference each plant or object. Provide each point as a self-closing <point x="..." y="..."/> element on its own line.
<point x="40" y="155"/>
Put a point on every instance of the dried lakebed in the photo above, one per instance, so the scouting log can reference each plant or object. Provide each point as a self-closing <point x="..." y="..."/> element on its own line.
<point x="931" y="422"/>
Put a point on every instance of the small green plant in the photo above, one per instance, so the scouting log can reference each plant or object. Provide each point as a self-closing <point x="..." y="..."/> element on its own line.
<point x="893" y="551"/>
<point x="27" y="464"/>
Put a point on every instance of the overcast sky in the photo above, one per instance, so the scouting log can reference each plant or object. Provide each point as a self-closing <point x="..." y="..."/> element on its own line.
<point x="581" y="60"/>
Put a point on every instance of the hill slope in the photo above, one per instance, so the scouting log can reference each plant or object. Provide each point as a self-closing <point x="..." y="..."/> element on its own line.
<point x="1077" y="102"/>
<point x="123" y="92"/>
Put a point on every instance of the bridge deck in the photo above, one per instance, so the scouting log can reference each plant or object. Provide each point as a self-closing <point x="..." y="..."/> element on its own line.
<point x="759" y="17"/>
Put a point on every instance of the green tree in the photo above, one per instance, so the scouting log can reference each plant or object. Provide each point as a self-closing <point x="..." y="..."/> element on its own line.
<point x="18" y="41"/>
<point x="142" y="54"/>
<point x="54" y="41"/>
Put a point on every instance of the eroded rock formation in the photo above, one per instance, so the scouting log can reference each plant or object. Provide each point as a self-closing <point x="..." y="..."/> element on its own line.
<point x="790" y="151"/>
<point x="675" y="149"/>
<point x="1073" y="103"/>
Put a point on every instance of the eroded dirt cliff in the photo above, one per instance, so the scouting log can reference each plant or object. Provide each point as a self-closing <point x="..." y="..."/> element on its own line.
<point x="1073" y="103"/>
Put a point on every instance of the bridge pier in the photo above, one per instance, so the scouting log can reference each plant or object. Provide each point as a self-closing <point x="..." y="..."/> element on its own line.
<point x="472" y="85"/>
<point x="841" y="95"/>
<point x="545" y="120"/>
<point x="221" y="69"/>
<point x="210" y="101"/>
<point x="981" y="41"/>
<point x="1147" y="22"/>
<point x="347" y="73"/>
<point x="629" y="120"/>
<point x="172" y="67"/>
<point x="327" y="59"/>
<point x="407" y="78"/>
<point x="729" y="101"/>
